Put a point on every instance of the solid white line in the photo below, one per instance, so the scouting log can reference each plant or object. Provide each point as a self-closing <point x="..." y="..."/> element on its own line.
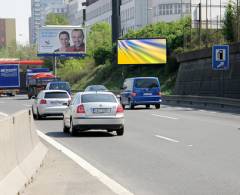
<point x="168" y="139"/>
<point x="165" y="117"/>
<point x="110" y="183"/>
<point x="27" y="105"/>
<point x="3" y="114"/>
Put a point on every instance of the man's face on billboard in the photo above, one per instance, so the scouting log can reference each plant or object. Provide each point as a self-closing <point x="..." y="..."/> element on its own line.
<point x="77" y="38"/>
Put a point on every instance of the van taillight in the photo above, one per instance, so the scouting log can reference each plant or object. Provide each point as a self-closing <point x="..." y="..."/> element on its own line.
<point x="43" y="101"/>
<point x="133" y="94"/>
<point x="119" y="109"/>
<point x="80" y="109"/>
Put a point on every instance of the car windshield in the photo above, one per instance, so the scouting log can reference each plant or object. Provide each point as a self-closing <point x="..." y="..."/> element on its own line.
<point x="96" y="88"/>
<point x="146" y="83"/>
<point x="49" y="95"/>
<point x="86" y="98"/>
<point x="64" y="86"/>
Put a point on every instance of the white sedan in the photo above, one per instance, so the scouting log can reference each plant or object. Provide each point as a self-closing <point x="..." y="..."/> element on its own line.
<point x="94" y="110"/>
<point x="50" y="103"/>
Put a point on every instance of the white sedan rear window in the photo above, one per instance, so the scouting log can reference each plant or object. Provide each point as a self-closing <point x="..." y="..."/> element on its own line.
<point x="49" y="95"/>
<point x="98" y="98"/>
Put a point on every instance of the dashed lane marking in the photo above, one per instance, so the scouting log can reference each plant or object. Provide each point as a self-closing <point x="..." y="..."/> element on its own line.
<point x="168" y="117"/>
<point x="166" y="138"/>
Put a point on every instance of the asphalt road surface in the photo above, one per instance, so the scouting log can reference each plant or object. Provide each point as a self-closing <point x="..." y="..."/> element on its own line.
<point x="172" y="151"/>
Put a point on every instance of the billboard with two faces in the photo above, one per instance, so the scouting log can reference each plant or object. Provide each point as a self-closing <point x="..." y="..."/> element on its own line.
<point x="142" y="51"/>
<point x="62" y="40"/>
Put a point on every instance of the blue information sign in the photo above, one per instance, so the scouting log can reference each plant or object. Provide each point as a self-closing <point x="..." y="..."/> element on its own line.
<point x="220" y="57"/>
<point x="9" y="76"/>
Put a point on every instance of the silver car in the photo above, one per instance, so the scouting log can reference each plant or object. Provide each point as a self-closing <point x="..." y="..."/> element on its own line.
<point x="94" y="110"/>
<point x="50" y="103"/>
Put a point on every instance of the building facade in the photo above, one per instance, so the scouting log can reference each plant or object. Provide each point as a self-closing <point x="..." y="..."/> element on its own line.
<point x="37" y="16"/>
<point x="75" y="13"/>
<point x="7" y="32"/>
<point x="98" y="11"/>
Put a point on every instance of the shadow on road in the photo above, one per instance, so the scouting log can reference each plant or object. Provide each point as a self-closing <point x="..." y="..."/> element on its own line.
<point x="91" y="133"/>
<point x="50" y="118"/>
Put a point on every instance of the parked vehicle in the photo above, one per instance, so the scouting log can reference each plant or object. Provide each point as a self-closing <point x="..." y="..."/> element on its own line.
<point x="9" y="79"/>
<point x="94" y="110"/>
<point x="141" y="91"/>
<point x="50" y="103"/>
<point x="96" y="88"/>
<point x="60" y="85"/>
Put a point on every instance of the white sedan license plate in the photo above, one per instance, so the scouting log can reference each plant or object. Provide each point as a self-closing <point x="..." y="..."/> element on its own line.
<point x="101" y="110"/>
<point x="56" y="103"/>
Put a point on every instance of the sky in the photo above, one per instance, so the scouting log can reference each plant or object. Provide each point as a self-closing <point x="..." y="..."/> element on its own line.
<point x="21" y="10"/>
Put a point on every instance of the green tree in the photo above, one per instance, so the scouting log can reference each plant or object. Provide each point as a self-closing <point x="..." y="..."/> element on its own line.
<point x="228" y="24"/>
<point x="19" y="51"/>
<point x="99" y="45"/>
<point x="56" y="19"/>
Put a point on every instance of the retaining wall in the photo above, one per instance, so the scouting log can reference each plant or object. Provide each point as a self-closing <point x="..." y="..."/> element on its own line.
<point x="196" y="77"/>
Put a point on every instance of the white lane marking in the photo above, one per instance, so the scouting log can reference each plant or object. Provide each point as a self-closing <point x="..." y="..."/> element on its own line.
<point x="3" y="114"/>
<point x="166" y="138"/>
<point x="110" y="183"/>
<point x="165" y="116"/>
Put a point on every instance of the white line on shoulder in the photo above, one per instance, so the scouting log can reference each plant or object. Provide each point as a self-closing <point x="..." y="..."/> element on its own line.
<point x="110" y="183"/>
<point x="3" y="114"/>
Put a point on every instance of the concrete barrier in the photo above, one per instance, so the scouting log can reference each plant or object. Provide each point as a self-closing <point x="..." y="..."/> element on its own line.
<point x="21" y="152"/>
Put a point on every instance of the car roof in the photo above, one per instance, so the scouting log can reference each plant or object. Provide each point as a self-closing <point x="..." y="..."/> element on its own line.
<point x="95" y="92"/>
<point x="143" y="78"/>
<point x="55" y="90"/>
<point x="58" y="82"/>
<point x="94" y="85"/>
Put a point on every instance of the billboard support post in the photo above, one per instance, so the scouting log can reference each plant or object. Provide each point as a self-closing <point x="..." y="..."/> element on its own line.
<point x="55" y="66"/>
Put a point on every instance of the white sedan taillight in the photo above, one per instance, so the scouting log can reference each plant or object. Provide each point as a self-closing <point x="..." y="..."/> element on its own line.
<point x="43" y="101"/>
<point x="120" y="109"/>
<point x="80" y="109"/>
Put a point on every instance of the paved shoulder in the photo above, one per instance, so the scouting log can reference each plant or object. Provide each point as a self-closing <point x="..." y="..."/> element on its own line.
<point x="60" y="175"/>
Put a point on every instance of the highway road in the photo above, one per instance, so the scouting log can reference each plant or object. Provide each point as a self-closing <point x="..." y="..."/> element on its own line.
<point x="171" y="151"/>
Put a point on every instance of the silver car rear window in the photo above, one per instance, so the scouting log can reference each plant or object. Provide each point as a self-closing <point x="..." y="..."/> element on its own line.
<point x="49" y="95"/>
<point x="97" y="98"/>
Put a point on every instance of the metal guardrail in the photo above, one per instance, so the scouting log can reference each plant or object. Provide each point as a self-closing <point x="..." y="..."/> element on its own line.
<point x="217" y="102"/>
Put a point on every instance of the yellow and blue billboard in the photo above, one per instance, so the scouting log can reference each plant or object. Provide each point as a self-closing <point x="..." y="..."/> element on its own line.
<point x="142" y="51"/>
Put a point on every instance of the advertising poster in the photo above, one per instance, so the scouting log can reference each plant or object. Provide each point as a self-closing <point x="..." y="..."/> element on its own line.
<point x="142" y="51"/>
<point x="62" y="40"/>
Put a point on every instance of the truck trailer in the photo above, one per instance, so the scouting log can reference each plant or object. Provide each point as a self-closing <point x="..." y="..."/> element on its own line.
<point x="9" y="79"/>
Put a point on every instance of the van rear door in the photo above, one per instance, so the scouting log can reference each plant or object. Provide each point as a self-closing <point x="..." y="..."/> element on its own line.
<point x="146" y="87"/>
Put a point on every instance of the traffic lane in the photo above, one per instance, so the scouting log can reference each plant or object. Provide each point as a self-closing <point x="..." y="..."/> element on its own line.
<point x="10" y="105"/>
<point x="124" y="158"/>
<point x="192" y="125"/>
